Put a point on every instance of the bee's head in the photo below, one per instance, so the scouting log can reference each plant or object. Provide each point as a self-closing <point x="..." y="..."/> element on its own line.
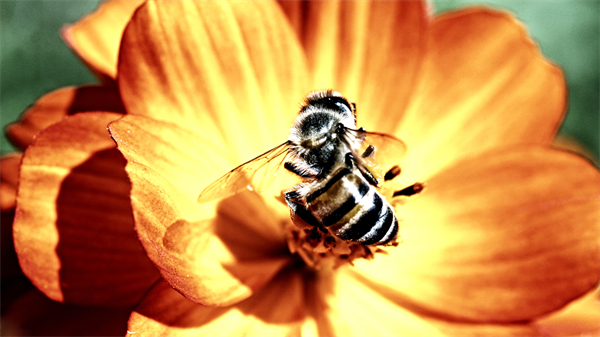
<point x="319" y="118"/>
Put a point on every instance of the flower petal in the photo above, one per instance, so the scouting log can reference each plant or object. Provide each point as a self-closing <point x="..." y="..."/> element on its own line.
<point x="370" y="51"/>
<point x="570" y="144"/>
<point x="36" y="315"/>
<point x="73" y="228"/>
<point x="59" y="103"/>
<point x="293" y="303"/>
<point x="450" y="328"/>
<point x="580" y="318"/>
<point x="213" y="254"/>
<point x="276" y="310"/>
<point x="188" y="160"/>
<point x="343" y="306"/>
<point x="9" y="174"/>
<point x="232" y="67"/>
<point x="483" y="84"/>
<point x="96" y="37"/>
<point x="475" y="329"/>
<point x="14" y="283"/>
<point x="501" y="238"/>
<point x="11" y="272"/>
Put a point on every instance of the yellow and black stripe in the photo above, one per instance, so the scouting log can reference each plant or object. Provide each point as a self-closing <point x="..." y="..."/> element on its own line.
<point x="350" y="208"/>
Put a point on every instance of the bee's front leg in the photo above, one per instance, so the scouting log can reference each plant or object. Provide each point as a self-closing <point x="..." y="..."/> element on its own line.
<point x="351" y="163"/>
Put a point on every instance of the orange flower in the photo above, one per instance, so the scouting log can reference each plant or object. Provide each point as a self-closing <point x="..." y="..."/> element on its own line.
<point x="505" y="232"/>
<point x="69" y="226"/>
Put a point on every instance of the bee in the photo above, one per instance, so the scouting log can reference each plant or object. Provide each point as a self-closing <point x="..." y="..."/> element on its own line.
<point x="337" y="165"/>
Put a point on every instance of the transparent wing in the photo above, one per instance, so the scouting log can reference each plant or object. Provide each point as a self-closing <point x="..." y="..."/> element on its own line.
<point x="257" y="174"/>
<point x="378" y="152"/>
<point x="389" y="150"/>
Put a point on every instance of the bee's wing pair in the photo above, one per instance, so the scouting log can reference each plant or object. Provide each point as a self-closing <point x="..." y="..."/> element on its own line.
<point x="259" y="173"/>
<point x="389" y="149"/>
<point x="386" y="150"/>
<point x="256" y="174"/>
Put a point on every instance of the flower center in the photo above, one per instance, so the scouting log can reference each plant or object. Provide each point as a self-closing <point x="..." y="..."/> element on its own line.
<point x="318" y="247"/>
<point x="362" y="227"/>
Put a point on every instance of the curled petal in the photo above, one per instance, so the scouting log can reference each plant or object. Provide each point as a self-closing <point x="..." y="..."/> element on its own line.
<point x="73" y="228"/>
<point x="213" y="254"/>
<point x="502" y="238"/>
<point x="233" y="68"/>
<point x="96" y="37"/>
<point x="59" y="103"/>
<point x="370" y="51"/>
<point x="9" y="174"/>
<point x="276" y="310"/>
<point x="483" y="84"/>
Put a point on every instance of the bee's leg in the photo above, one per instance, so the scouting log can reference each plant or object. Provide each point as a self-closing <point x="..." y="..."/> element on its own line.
<point x="300" y="211"/>
<point x="351" y="162"/>
<point x="294" y="169"/>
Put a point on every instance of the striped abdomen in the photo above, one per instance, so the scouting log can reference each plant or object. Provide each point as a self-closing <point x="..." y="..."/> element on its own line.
<point x="350" y="208"/>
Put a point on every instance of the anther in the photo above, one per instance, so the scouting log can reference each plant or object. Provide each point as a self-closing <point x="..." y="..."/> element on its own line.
<point x="410" y="190"/>
<point x="369" y="151"/>
<point x="392" y="173"/>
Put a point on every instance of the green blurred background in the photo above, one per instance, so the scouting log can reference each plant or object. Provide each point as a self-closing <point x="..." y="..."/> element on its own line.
<point x="34" y="60"/>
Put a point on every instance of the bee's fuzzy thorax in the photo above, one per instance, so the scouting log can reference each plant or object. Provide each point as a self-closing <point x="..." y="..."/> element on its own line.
<point x="315" y="138"/>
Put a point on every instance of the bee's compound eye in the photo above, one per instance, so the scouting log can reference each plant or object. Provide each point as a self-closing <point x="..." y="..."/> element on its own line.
<point x="344" y="106"/>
